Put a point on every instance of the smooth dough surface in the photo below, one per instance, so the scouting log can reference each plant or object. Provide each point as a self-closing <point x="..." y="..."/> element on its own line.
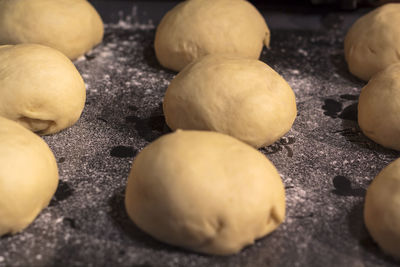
<point x="70" y="26"/>
<point x="40" y="88"/>
<point x="204" y="191"/>
<point x="28" y="176"/>
<point x="243" y="98"/>
<point x="195" y="28"/>
<point x="379" y="108"/>
<point x="382" y="209"/>
<point x="373" y="42"/>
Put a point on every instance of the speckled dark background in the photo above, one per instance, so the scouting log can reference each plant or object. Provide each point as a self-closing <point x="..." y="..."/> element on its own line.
<point x="325" y="161"/>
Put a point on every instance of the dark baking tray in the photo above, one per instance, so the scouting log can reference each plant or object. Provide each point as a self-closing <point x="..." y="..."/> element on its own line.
<point x="325" y="161"/>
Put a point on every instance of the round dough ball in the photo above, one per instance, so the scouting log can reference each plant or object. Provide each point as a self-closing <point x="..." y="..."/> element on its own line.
<point x="243" y="98"/>
<point x="40" y="88"/>
<point x="382" y="209"/>
<point x="196" y="28"/>
<point x="204" y="191"/>
<point x="28" y="176"/>
<point x="379" y="108"/>
<point x="373" y="42"/>
<point x="70" y="26"/>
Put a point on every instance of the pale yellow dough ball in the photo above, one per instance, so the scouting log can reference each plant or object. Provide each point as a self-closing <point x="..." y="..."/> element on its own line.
<point x="195" y="28"/>
<point x="70" y="26"/>
<point x="204" y="191"/>
<point x="243" y="98"/>
<point x="40" y="88"/>
<point x="382" y="209"/>
<point x="379" y="108"/>
<point x="373" y="42"/>
<point x="28" y="176"/>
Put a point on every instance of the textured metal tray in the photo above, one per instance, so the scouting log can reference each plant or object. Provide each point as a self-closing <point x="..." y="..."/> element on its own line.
<point x="325" y="161"/>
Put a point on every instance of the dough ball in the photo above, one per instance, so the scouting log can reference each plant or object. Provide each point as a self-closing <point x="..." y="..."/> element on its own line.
<point x="243" y="98"/>
<point x="70" y="26"/>
<point x="379" y="108"/>
<point x="195" y="28"/>
<point x="373" y="42"/>
<point x="204" y="191"/>
<point x="382" y="209"/>
<point x="28" y="176"/>
<point x="40" y="88"/>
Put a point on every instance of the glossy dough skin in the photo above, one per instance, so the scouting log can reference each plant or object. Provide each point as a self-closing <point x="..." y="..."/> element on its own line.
<point x="28" y="176"/>
<point x="204" y="191"/>
<point x="40" y="88"/>
<point x="379" y="108"/>
<point x="195" y="28"/>
<point x="243" y="98"/>
<point x="70" y="26"/>
<point x="373" y="42"/>
<point x="382" y="209"/>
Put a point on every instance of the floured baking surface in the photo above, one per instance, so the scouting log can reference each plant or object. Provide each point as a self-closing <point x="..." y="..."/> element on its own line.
<point x="325" y="162"/>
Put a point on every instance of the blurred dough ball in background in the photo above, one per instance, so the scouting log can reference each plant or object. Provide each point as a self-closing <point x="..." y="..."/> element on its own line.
<point x="70" y="26"/>
<point x="373" y="42"/>
<point x="244" y="98"/>
<point x="382" y="209"/>
<point x="195" y="28"/>
<point x="40" y="88"/>
<point x="379" y="108"/>
<point x="204" y="191"/>
<point x="28" y="176"/>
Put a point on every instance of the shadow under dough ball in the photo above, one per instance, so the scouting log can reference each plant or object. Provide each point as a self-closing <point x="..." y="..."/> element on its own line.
<point x="71" y="26"/>
<point x="204" y="191"/>
<point x="379" y="108"/>
<point x="244" y="98"/>
<point x="40" y="88"/>
<point x="196" y="28"/>
<point x="382" y="209"/>
<point x="373" y="42"/>
<point x="28" y="176"/>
